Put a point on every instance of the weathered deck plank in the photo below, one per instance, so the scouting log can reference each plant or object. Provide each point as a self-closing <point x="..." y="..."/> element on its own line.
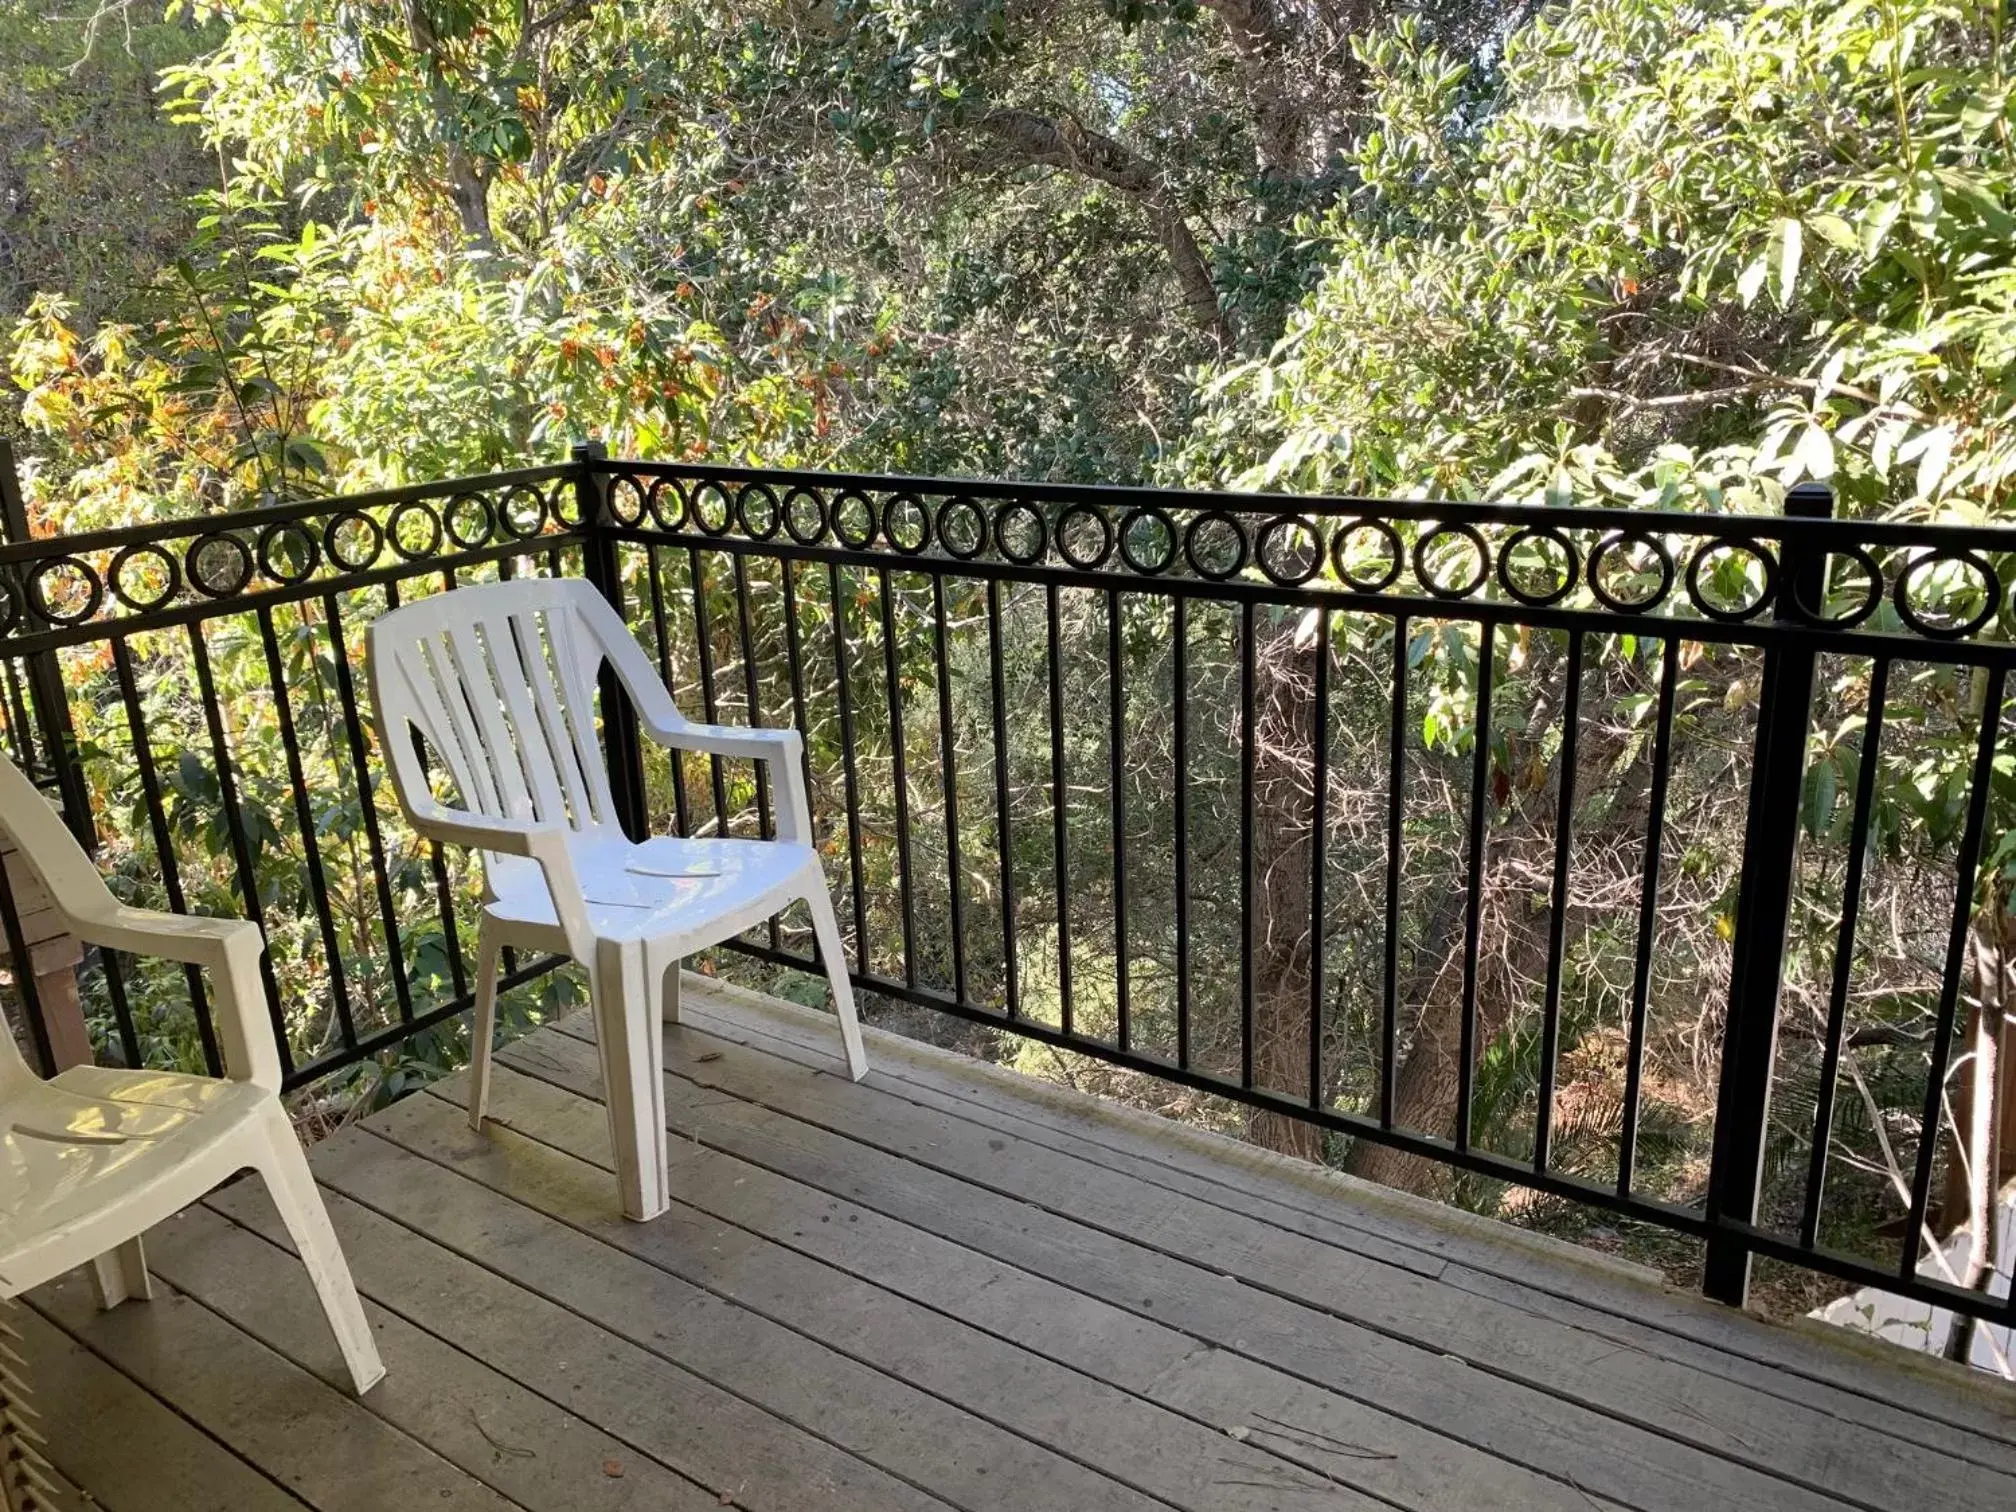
<point x="311" y="1437"/>
<point x="661" y="1410"/>
<point x="517" y="1443"/>
<point x="131" y="1452"/>
<point x="1858" y="1378"/>
<point x="1290" y="1419"/>
<point x="1650" y="1411"/>
<point x="941" y="1289"/>
<point x="572" y="1259"/>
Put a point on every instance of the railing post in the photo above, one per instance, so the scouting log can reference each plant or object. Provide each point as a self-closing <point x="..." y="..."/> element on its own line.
<point x="599" y="564"/>
<point x="56" y="735"/>
<point x="1757" y="963"/>
<point x="42" y="958"/>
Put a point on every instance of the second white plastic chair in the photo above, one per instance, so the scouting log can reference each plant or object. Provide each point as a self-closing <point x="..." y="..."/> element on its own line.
<point x="499" y="680"/>
<point x="95" y="1156"/>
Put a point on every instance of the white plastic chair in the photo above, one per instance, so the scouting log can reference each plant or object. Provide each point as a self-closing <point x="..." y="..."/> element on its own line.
<point x="94" y="1157"/>
<point x="499" y="680"/>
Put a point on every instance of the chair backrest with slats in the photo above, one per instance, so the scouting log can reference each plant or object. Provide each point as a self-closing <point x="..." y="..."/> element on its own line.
<point x="499" y="680"/>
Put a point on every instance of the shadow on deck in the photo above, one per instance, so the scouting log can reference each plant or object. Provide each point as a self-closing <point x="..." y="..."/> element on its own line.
<point x="944" y="1287"/>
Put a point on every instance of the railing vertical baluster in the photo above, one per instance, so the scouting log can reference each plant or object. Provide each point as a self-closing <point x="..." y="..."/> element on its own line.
<point x="1763" y="908"/>
<point x="949" y="778"/>
<point x="437" y="866"/>
<point x="164" y="845"/>
<point x="1116" y="750"/>
<point x="1396" y="769"/>
<point x="703" y="644"/>
<point x="1004" y="831"/>
<point x="1248" y="675"/>
<point x="1060" y="834"/>
<point x="753" y="700"/>
<point x="234" y="825"/>
<point x="1179" y="693"/>
<point x="844" y="680"/>
<point x="1844" y="951"/>
<point x="752" y="696"/>
<point x="1319" y="850"/>
<point x="21" y="958"/>
<point x="1648" y="912"/>
<point x="1473" y="897"/>
<point x="899" y="775"/>
<point x="794" y="652"/>
<point x="20" y="729"/>
<point x="374" y="837"/>
<point x="623" y="750"/>
<point x="1557" y="919"/>
<point x="304" y="818"/>
<point x="1981" y="783"/>
<point x="656" y="577"/>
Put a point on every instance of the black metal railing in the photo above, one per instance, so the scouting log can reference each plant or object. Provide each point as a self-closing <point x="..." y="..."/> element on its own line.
<point x="1386" y="820"/>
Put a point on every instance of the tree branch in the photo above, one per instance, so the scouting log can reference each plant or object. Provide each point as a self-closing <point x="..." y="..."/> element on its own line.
<point x="1036" y="139"/>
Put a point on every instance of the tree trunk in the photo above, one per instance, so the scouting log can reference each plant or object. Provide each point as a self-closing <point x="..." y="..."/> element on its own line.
<point x="1512" y="955"/>
<point x="468" y="189"/>
<point x="1280" y="933"/>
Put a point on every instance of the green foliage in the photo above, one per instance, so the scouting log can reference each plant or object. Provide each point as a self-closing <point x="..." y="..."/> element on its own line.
<point x="1691" y="255"/>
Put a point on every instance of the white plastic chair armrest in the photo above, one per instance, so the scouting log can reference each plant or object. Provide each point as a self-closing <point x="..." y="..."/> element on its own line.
<point x="730" y="740"/>
<point x="229" y="949"/>
<point x="545" y="844"/>
<point x="782" y="749"/>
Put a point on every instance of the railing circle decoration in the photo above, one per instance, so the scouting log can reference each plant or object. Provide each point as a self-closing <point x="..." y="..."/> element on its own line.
<point x="806" y="528"/>
<point x="1133" y="525"/>
<point x="77" y="591"/>
<point x="757" y="512"/>
<point x="1922" y="618"/>
<point x="906" y="524"/>
<point x="1513" y="561"/>
<point x="1728" y="590"/>
<point x="1450" y="587"/>
<point x="962" y="528"/>
<point x="1344" y="560"/>
<point x="1023" y="524"/>
<point x="1289" y="551"/>
<point x="1625" y="550"/>
<point x="1215" y="545"/>
<point x="1579" y="566"/>
<point x="135" y="577"/>
<point x="415" y="531"/>
<point x="129" y="570"/>
<point x="710" y="507"/>
<point x="1084" y="537"/>
<point x="353" y="541"/>
<point x="288" y="553"/>
<point x="852" y="519"/>
<point x="218" y="565"/>
<point x="1470" y="561"/>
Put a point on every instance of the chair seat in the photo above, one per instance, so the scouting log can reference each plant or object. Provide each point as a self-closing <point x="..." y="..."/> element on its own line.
<point x="75" y="1146"/>
<point x="662" y="886"/>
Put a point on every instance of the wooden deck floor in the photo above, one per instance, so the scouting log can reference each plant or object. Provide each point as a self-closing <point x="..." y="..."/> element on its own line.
<point x="944" y="1288"/>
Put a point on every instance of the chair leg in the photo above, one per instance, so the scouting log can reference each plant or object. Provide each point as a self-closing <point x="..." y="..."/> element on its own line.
<point x="122" y="1273"/>
<point x="630" y="1042"/>
<point x="292" y="1187"/>
<point x="834" y="955"/>
<point x="483" y="1025"/>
